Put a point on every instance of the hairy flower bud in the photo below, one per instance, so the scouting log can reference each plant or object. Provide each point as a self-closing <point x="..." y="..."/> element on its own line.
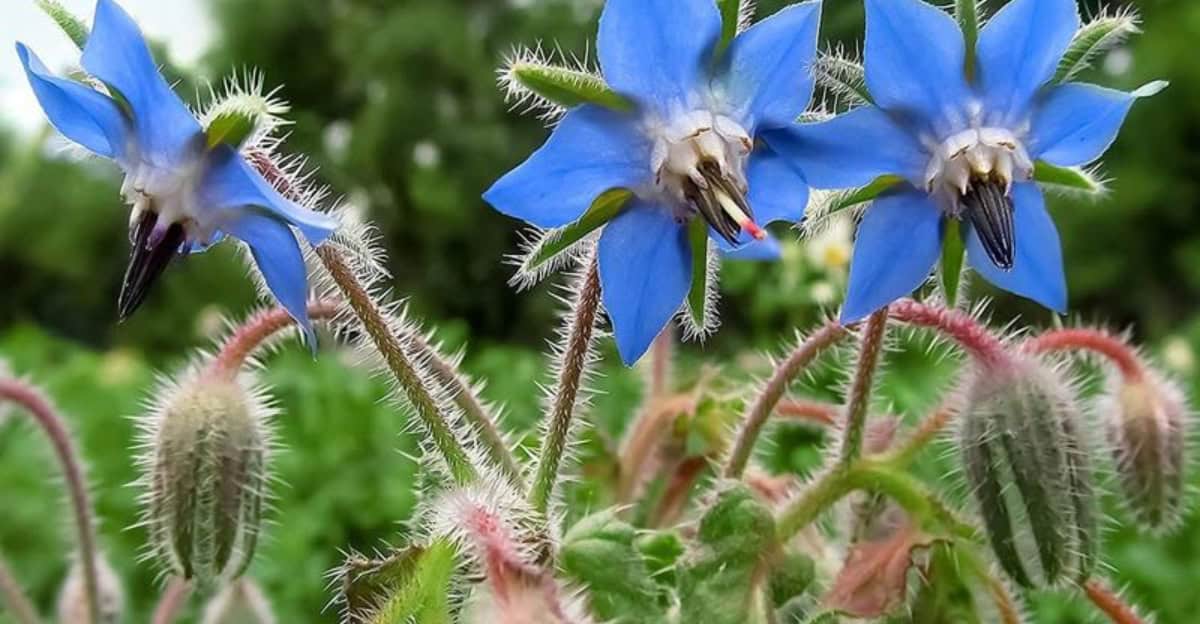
<point x="206" y="477"/>
<point x="1026" y="461"/>
<point x="241" y="602"/>
<point x="73" y="599"/>
<point x="1146" y="421"/>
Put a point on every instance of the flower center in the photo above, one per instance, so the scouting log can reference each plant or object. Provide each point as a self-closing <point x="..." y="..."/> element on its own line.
<point x="699" y="162"/>
<point x="972" y="173"/>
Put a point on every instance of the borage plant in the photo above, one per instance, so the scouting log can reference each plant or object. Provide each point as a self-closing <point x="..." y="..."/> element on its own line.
<point x="696" y="131"/>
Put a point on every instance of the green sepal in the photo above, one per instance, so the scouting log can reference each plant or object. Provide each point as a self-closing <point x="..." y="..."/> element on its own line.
<point x="1094" y="38"/>
<point x="425" y="597"/>
<point x="1072" y="178"/>
<point x="71" y="25"/>
<point x="697" y="299"/>
<point x="966" y="13"/>
<point x="953" y="252"/>
<point x="230" y="128"/>
<point x="731" y="15"/>
<point x="844" y="76"/>
<point x="566" y="87"/>
<point x="599" y="553"/>
<point x="367" y="583"/>
<point x="864" y="194"/>
<point x="607" y="206"/>
<point x="791" y="577"/>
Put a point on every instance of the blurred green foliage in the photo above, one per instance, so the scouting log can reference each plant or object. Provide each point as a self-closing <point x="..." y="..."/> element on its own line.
<point x="395" y="101"/>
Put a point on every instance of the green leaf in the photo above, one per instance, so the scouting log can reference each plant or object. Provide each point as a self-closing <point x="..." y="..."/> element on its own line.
<point x="1072" y="178"/>
<point x="599" y="553"/>
<point x="425" y="596"/>
<point x="697" y="298"/>
<point x="557" y="241"/>
<point x="71" y="25"/>
<point x="366" y="583"/>
<point x="953" y="251"/>
<point x="865" y="194"/>
<point x="564" y="86"/>
<point x="230" y="128"/>
<point x="731" y="15"/>
<point x="1103" y="33"/>
<point x="722" y="580"/>
<point x="966" y="13"/>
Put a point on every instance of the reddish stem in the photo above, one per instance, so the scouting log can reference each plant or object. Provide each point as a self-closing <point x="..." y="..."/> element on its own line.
<point x="1097" y="341"/>
<point x="969" y="333"/>
<point x="660" y="361"/>
<point x="675" y="495"/>
<point x="171" y="602"/>
<point x="68" y="457"/>
<point x="1110" y="603"/>
<point x="809" y="411"/>
<point x="240" y="345"/>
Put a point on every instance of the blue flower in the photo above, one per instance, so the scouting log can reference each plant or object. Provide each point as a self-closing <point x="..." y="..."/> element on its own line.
<point x="690" y="149"/>
<point x="186" y="195"/>
<point x="965" y="148"/>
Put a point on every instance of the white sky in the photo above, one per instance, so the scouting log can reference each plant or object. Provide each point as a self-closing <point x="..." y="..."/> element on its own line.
<point x="183" y="25"/>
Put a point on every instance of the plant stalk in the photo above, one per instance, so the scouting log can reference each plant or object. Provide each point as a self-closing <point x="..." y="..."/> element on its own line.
<point x="14" y="599"/>
<point x="857" y="407"/>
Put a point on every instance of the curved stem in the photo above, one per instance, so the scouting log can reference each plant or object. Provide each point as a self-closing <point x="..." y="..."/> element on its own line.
<point x="661" y="353"/>
<point x="870" y="348"/>
<point x="923" y="435"/>
<point x="250" y="335"/>
<point x="643" y="439"/>
<point x="410" y="381"/>
<point x="171" y="602"/>
<point x="760" y="410"/>
<point x="809" y="411"/>
<point x="961" y="327"/>
<point x="1006" y="605"/>
<point x="1097" y="341"/>
<point x="13" y="598"/>
<point x="1110" y="603"/>
<point x="68" y="457"/>
<point x="576" y="353"/>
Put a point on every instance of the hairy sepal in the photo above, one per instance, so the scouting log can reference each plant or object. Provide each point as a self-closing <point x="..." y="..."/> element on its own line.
<point x="550" y="250"/>
<point x="532" y="80"/>
<point x="72" y="26"/>
<point x="1103" y="33"/>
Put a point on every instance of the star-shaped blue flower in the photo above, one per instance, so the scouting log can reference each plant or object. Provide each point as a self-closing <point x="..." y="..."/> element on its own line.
<point x="185" y="194"/>
<point x="690" y="149"/>
<point x="964" y="148"/>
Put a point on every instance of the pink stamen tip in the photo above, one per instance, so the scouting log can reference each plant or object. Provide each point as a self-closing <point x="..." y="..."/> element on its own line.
<point x="753" y="230"/>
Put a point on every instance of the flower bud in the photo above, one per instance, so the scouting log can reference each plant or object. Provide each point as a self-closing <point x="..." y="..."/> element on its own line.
<point x="1026" y="461"/>
<point x="206" y="476"/>
<point x="241" y="602"/>
<point x="1146" y="428"/>
<point x="73" y="599"/>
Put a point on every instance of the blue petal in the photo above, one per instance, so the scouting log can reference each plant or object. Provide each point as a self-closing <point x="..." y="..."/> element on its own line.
<point x="1019" y="51"/>
<point x="1037" y="271"/>
<point x="766" y="250"/>
<point x="117" y="54"/>
<point x="778" y="192"/>
<point x="851" y="149"/>
<point x="915" y="59"/>
<point x="657" y="51"/>
<point x="591" y="151"/>
<point x="770" y="67"/>
<point x="80" y="113"/>
<point x="230" y="182"/>
<point x="1076" y="123"/>
<point x="280" y="261"/>
<point x="897" y="244"/>
<point x="645" y="273"/>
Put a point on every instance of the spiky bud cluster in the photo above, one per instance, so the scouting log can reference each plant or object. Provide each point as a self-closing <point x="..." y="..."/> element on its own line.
<point x="205" y="472"/>
<point x="241" y="602"/>
<point x="73" y="598"/>
<point x="1026" y="461"/>
<point x="1145" y="421"/>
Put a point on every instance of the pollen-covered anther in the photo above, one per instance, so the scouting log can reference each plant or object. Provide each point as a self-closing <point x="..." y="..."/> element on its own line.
<point x="699" y="163"/>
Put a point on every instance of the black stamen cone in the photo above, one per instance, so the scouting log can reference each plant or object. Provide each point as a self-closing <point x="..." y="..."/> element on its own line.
<point x="709" y="206"/>
<point x="146" y="262"/>
<point x="990" y="211"/>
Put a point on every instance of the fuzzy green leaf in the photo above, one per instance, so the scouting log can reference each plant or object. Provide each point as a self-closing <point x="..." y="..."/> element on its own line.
<point x="230" y="128"/>
<point x="697" y="298"/>
<point x="843" y="76"/>
<point x="71" y="25"/>
<point x="559" y="240"/>
<point x="1096" y="37"/>
<point x="966" y="13"/>
<point x="953" y="251"/>
<point x="864" y="194"/>
<point x="367" y="583"/>
<point x="564" y="86"/>
<point x="731" y="15"/>
<point x="425" y="597"/>
<point x="1072" y="178"/>
<point x="599" y="553"/>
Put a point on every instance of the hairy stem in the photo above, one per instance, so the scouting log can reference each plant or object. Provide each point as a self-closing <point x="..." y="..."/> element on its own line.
<point x="643" y="440"/>
<point x="1096" y="341"/>
<point x="859" y="402"/>
<point x="923" y="435"/>
<point x="575" y="355"/>
<point x="971" y="335"/>
<point x="1109" y="603"/>
<point x="825" y="414"/>
<point x="13" y="598"/>
<point x="760" y="410"/>
<point x="55" y="428"/>
<point x="172" y="601"/>
<point x="661" y="353"/>
<point x="256" y="330"/>
<point x="376" y="325"/>
<point x="675" y="495"/>
<point x="1006" y="605"/>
